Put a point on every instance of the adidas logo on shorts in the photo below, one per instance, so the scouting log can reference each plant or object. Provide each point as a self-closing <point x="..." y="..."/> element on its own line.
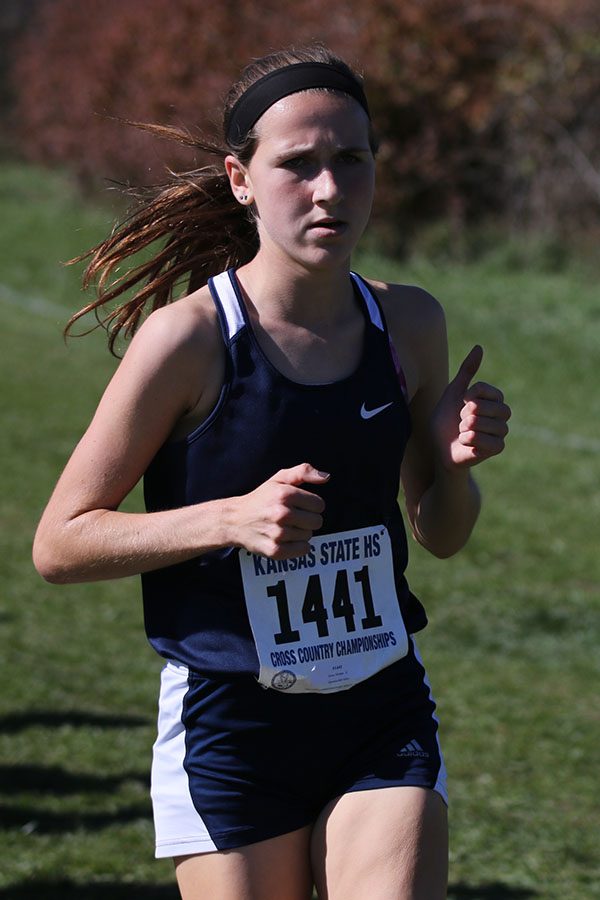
<point x="413" y="748"/>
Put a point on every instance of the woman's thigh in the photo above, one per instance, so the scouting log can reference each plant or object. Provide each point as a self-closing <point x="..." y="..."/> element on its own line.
<point x="275" y="869"/>
<point x="384" y="844"/>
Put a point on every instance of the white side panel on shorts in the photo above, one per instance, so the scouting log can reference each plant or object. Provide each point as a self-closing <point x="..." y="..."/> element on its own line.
<point x="229" y="302"/>
<point x="179" y="828"/>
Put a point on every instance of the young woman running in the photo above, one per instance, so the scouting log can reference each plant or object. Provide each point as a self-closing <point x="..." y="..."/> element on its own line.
<point x="272" y="412"/>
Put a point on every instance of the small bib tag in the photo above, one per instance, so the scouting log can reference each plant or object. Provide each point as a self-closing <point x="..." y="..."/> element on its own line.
<point x="327" y="620"/>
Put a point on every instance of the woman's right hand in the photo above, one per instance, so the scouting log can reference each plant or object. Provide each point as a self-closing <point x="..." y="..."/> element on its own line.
<point x="83" y="534"/>
<point x="279" y="517"/>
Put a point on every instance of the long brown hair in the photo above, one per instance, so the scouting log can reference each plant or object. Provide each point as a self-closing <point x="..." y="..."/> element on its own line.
<point x="200" y="226"/>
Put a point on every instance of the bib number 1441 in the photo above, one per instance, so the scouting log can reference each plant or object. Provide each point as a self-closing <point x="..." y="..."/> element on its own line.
<point x="314" y="608"/>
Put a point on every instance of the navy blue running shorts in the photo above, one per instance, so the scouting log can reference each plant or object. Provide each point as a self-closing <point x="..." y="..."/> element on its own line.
<point x="235" y="763"/>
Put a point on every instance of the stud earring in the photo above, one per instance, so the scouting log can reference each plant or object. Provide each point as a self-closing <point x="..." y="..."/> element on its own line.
<point x="244" y="197"/>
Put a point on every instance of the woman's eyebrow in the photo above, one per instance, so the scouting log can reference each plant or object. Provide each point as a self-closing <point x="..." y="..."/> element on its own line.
<point x="308" y="149"/>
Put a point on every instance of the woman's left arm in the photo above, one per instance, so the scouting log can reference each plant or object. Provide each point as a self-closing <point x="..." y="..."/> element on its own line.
<point x="455" y="426"/>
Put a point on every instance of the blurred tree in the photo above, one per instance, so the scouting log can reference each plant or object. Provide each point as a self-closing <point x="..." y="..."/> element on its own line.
<point x="485" y="106"/>
<point x="14" y="17"/>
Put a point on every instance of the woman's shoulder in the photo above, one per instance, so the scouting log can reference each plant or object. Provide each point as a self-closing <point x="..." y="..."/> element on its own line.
<point x="191" y="318"/>
<point x="179" y="344"/>
<point x="177" y="352"/>
<point x="408" y="305"/>
<point x="417" y="327"/>
<point x="184" y="332"/>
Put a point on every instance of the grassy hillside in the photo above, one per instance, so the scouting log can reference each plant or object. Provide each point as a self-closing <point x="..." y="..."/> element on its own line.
<point x="514" y="619"/>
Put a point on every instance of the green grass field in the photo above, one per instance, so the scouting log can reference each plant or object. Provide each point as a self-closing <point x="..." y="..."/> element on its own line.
<point x="512" y="646"/>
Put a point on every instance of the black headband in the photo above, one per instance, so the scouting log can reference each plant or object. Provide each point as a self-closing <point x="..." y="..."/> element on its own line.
<point x="303" y="76"/>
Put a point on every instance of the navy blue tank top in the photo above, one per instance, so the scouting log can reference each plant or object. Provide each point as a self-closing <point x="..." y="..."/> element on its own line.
<point x="355" y="428"/>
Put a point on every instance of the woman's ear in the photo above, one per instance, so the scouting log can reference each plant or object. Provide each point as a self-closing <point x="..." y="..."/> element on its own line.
<point x="239" y="180"/>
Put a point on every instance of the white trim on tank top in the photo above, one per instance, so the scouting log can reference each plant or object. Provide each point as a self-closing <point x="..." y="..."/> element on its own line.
<point x="374" y="312"/>
<point x="234" y="316"/>
<point x="229" y="302"/>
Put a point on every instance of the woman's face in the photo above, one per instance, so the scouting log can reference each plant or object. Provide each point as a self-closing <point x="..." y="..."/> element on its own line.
<point x="311" y="179"/>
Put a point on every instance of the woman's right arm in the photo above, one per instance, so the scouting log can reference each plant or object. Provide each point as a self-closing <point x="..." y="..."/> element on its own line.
<point x="174" y="365"/>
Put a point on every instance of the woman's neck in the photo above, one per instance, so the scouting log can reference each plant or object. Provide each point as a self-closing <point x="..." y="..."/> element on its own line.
<point x="287" y="290"/>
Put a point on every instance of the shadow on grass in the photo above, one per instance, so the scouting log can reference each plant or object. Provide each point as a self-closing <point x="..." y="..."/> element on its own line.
<point x="58" y="890"/>
<point x="495" y="891"/>
<point x="36" y="821"/>
<point x="15" y="722"/>
<point x="56" y="780"/>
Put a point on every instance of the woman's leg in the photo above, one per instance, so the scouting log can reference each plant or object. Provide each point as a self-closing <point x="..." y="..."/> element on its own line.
<point x="384" y="844"/>
<point x="276" y="869"/>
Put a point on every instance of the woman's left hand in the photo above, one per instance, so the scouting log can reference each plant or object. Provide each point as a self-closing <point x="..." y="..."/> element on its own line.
<point x="469" y="423"/>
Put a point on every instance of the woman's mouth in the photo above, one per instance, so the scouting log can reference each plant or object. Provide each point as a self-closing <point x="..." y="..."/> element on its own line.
<point x="329" y="226"/>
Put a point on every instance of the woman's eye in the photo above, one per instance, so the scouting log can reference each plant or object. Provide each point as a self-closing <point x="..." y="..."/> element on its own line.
<point x="295" y="162"/>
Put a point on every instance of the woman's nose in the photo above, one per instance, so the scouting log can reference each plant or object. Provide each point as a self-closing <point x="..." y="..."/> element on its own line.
<point x="327" y="188"/>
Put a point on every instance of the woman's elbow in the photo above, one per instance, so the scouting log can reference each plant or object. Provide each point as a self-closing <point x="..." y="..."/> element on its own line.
<point x="441" y="549"/>
<point x="48" y="561"/>
<point x="446" y="551"/>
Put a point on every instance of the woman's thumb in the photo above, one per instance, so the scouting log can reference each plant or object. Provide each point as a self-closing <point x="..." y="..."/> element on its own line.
<point x="467" y="371"/>
<point x="304" y="473"/>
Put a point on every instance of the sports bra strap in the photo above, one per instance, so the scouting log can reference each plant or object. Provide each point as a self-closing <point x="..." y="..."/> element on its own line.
<point x="371" y="303"/>
<point x="227" y="303"/>
<point x="377" y="319"/>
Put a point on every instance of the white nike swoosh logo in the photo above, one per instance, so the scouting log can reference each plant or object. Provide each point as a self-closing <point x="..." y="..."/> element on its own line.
<point x="369" y="413"/>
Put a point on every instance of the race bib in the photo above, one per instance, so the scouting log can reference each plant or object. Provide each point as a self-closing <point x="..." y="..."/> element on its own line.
<point x="327" y="620"/>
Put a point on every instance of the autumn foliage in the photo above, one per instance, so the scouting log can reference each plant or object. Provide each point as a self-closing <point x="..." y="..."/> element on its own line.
<point x="484" y="107"/>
